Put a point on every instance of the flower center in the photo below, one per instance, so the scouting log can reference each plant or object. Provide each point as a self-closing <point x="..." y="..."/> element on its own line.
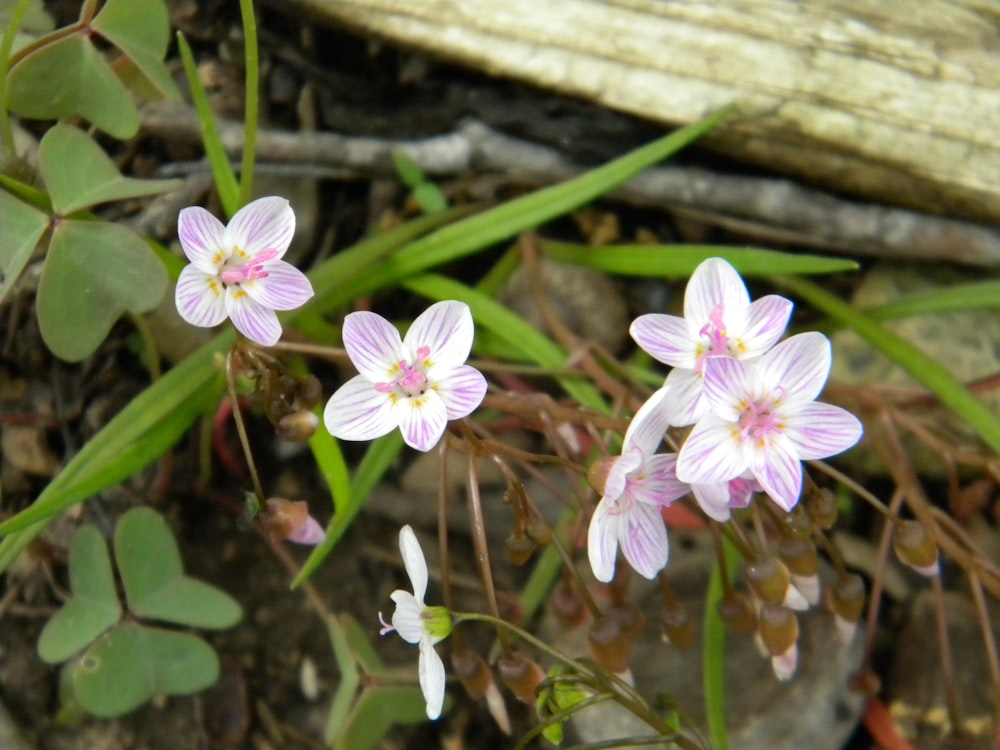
<point x="413" y="380"/>
<point x="758" y="421"/>
<point x="718" y="340"/>
<point x="251" y="270"/>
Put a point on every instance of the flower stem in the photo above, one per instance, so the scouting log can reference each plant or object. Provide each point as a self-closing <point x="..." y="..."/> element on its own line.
<point x="241" y="429"/>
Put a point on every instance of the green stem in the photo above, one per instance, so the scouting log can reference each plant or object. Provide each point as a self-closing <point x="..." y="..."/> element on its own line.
<point x="252" y="64"/>
<point x="9" y="34"/>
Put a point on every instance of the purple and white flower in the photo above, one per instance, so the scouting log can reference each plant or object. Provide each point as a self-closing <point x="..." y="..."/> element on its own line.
<point x="719" y="321"/>
<point x="419" y="624"/>
<point x="639" y="483"/>
<point x="717" y="499"/>
<point x="417" y="383"/>
<point x="236" y="270"/>
<point x="762" y="419"/>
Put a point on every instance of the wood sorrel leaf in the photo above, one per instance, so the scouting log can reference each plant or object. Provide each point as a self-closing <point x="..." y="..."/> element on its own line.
<point x="94" y="606"/>
<point x="93" y="273"/>
<point x="69" y="77"/>
<point x="374" y="714"/>
<point x="153" y="576"/>
<point x="21" y="226"/>
<point x="79" y="174"/>
<point x="131" y="664"/>
<point x="141" y="29"/>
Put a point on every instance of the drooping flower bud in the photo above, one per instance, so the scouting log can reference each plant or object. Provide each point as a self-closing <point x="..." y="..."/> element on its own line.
<point x="522" y="676"/>
<point x="612" y="636"/>
<point x="519" y="548"/>
<point x="477" y="678"/>
<point x="736" y="611"/>
<point x="778" y="628"/>
<point x="597" y="474"/>
<point x="285" y="519"/>
<point x="771" y="581"/>
<point x="821" y="504"/>
<point x="297" y="427"/>
<point x="568" y="606"/>
<point x="799" y="555"/>
<point x="677" y="626"/>
<point x="847" y="600"/>
<point x="915" y="548"/>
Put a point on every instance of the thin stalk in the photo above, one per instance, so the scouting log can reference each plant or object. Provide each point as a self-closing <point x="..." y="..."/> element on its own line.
<point x="241" y="429"/>
<point x="875" y="600"/>
<point x="947" y="666"/>
<point x="443" y="526"/>
<point x="986" y="628"/>
<point x="856" y="488"/>
<point x="6" y="45"/>
<point x="251" y="63"/>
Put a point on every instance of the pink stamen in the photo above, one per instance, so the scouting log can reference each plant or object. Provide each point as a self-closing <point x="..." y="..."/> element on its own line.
<point x="411" y="380"/>
<point x="715" y="330"/>
<point x="251" y="270"/>
<point x="758" y="420"/>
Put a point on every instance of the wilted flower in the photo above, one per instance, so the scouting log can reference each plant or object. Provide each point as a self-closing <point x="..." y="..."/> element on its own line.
<point x="719" y="321"/>
<point x="419" y="624"/>
<point x="762" y="419"/>
<point x="236" y="270"/>
<point x="417" y="383"/>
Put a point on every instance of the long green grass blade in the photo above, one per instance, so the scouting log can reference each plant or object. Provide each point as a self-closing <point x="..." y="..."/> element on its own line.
<point x="979" y="295"/>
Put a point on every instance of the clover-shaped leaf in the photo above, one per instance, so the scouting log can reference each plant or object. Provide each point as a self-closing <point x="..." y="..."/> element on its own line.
<point x="94" y="606"/>
<point x="141" y="29"/>
<point x="377" y="710"/>
<point x="79" y="174"/>
<point x="131" y="664"/>
<point x="154" y="580"/>
<point x="21" y="226"/>
<point x="93" y="273"/>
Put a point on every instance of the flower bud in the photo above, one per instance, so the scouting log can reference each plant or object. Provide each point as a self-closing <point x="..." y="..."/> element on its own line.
<point x="309" y="393"/>
<point x="597" y="474"/>
<point x="522" y="676"/>
<point x="799" y="555"/>
<point x="778" y="628"/>
<point x="519" y="548"/>
<point x="568" y="606"/>
<point x="473" y="672"/>
<point x="847" y="600"/>
<point x="821" y="505"/>
<point x="737" y="613"/>
<point x="677" y="626"/>
<point x="285" y="519"/>
<point x="297" y="427"/>
<point x="771" y="581"/>
<point x="797" y="524"/>
<point x="612" y="636"/>
<point x="915" y="548"/>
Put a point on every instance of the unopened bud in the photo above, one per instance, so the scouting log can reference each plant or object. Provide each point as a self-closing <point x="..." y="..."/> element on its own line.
<point x="285" y="519"/>
<point x="519" y="548"/>
<point x="568" y="606"/>
<point x="677" y="626"/>
<point x="821" y="505"/>
<point x="847" y="600"/>
<point x="737" y="613"/>
<point x="771" y="581"/>
<point x="310" y="392"/>
<point x="799" y="555"/>
<point x="297" y="427"/>
<point x="597" y="474"/>
<point x="611" y="639"/>
<point x="915" y="548"/>
<point x="778" y="628"/>
<point x="797" y="524"/>
<point x="473" y="672"/>
<point x="540" y="532"/>
<point x="522" y="676"/>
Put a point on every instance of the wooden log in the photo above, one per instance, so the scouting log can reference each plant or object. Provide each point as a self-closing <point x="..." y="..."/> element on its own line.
<point x="897" y="102"/>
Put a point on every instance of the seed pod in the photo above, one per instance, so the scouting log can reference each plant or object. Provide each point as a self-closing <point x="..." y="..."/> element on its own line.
<point x="522" y="676"/>
<point x="821" y="505"/>
<point x="677" y="626"/>
<point x="737" y="613"/>
<point x="915" y="548"/>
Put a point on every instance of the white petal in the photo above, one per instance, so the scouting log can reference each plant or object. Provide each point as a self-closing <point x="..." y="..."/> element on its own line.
<point x="649" y="424"/>
<point x="729" y="385"/>
<point x="264" y="224"/>
<point x="687" y="396"/>
<point x="713" y="499"/>
<point x="820" y="430"/>
<point x="374" y="346"/>
<point x="413" y="561"/>
<point x="602" y="542"/>
<point x="200" y="298"/>
<point x="784" y="665"/>
<point x="643" y="539"/>
<point x="407" y="619"/>
<point x="253" y="320"/>
<point x="767" y="319"/>
<point x="284" y="288"/>
<point x="799" y="365"/>
<point x="666" y="338"/>
<point x="711" y="453"/>
<point x="432" y="679"/>
<point x="445" y="328"/>
<point x="657" y="483"/>
<point x="779" y="471"/>
<point x="422" y="420"/>
<point x="713" y="283"/>
<point x="358" y="412"/>
<point x="618" y="472"/>
<point x="202" y="238"/>
<point x="309" y="533"/>
<point x="462" y="390"/>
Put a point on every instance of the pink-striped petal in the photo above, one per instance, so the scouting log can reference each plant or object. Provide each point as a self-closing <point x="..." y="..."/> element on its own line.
<point x="729" y="385"/>
<point x="255" y="321"/>
<point x="713" y="499"/>
<point x="373" y="345"/>
<point x="650" y="423"/>
<point x="602" y="542"/>
<point x="356" y="411"/>
<point x="618" y="474"/>
<point x="407" y="619"/>
<point x="422" y="420"/>
<point x="658" y="483"/>
<point x="819" y="430"/>
<point x="643" y="539"/>
<point x="666" y="338"/>
<point x="446" y="329"/>
<point x="462" y="390"/>
<point x="798" y="365"/>
<point x="284" y="288"/>
<point x="200" y="298"/>
<point x="767" y="319"/>
<point x="711" y="453"/>
<point x="779" y="471"/>
<point x="414" y="562"/>
<point x="264" y="224"/>
<point x="713" y="283"/>
<point x="687" y="397"/>
<point x="203" y="239"/>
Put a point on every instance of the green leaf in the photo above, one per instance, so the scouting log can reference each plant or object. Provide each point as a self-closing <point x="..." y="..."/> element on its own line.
<point x="330" y="461"/>
<point x="69" y="77"/>
<point x="713" y="656"/>
<point x="375" y="713"/>
<point x="21" y="227"/>
<point x="681" y="260"/>
<point x="141" y="29"/>
<point x="358" y="639"/>
<point x="79" y="174"/>
<point x="93" y="273"/>
<point x="976" y="295"/>
<point x="35" y="20"/>
<point x="132" y="664"/>
<point x="343" y="698"/>
<point x="153" y="576"/>
<point x="94" y="606"/>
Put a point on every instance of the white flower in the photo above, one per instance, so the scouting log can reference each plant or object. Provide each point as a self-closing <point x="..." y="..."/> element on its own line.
<point x="419" y="624"/>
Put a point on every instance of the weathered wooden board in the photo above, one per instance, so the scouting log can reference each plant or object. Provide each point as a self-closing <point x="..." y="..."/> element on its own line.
<point x="896" y="101"/>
